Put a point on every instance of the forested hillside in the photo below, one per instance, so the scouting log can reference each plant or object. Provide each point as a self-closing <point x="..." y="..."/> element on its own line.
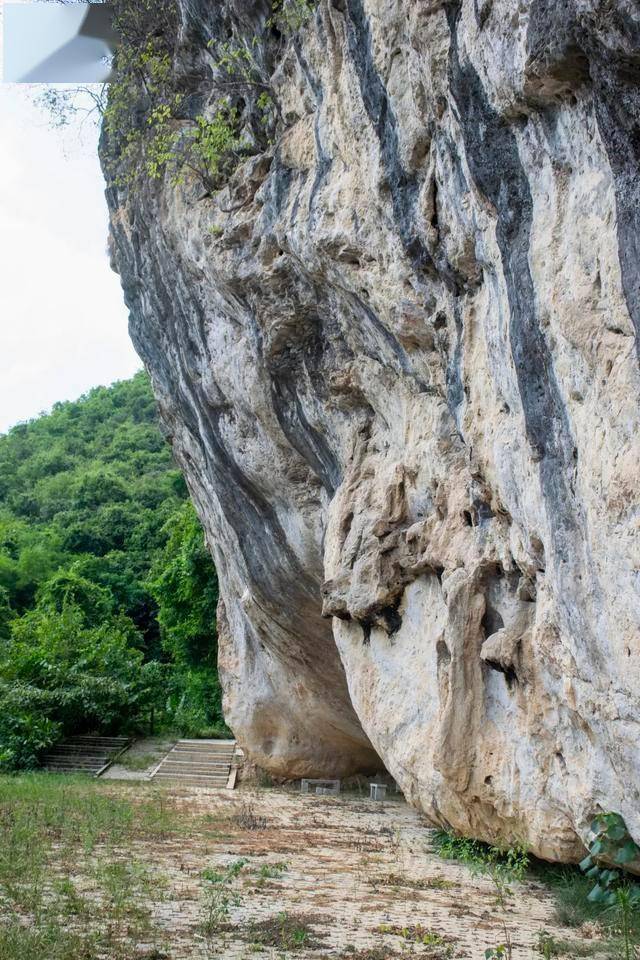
<point x="107" y="592"/>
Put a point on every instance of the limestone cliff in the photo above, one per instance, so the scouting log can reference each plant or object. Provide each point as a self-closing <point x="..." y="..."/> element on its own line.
<point x="396" y="356"/>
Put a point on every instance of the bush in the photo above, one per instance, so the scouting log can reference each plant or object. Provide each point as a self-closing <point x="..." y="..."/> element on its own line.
<point x="61" y="674"/>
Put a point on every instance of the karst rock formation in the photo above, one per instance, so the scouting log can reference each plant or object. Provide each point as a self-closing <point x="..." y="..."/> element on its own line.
<point x="397" y="357"/>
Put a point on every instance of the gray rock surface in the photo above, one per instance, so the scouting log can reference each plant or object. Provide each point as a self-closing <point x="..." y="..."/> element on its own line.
<point x="397" y="359"/>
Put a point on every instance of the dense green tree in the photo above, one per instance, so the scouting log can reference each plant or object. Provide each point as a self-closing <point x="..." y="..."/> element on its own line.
<point x="185" y="586"/>
<point x="107" y="592"/>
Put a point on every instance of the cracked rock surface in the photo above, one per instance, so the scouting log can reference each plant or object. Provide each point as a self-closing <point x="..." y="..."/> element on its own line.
<point x="397" y="357"/>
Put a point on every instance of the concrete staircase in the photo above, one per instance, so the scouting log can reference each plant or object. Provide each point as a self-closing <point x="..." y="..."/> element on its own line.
<point x="198" y="763"/>
<point x="83" y="754"/>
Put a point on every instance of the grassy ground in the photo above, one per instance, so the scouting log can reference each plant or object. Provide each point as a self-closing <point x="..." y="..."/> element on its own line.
<point x="570" y="889"/>
<point x="62" y="865"/>
<point x="94" y="870"/>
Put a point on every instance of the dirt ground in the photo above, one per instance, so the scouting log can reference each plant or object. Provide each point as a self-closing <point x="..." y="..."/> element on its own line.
<point x="324" y="876"/>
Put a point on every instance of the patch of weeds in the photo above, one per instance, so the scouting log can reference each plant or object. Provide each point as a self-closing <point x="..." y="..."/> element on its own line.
<point x="269" y="871"/>
<point x="49" y="827"/>
<point x="138" y="761"/>
<point x="284" y="932"/>
<point x="503" y="866"/>
<point x="70" y="901"/>
<point x="423" y="883"/>
<point x="272" y="870"/>
<point x="47" y="941"/>
<point x="125" y="884"/>
<point x="416" y="933"/>
<point x="219" y="896"/>
<point x="549" y="946"/>
<point x="600" y="893"/>
<point x="248" y="819"/>
<point x="369" y="953"/>
<point x="47" y="821"/>
<point x="570" y="890"/>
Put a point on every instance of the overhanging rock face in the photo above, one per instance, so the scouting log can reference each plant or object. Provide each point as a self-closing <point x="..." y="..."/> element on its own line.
<point x="401" y="375"/>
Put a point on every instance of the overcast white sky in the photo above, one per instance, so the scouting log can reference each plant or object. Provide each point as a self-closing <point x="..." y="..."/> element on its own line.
<point x="63" y="323"/>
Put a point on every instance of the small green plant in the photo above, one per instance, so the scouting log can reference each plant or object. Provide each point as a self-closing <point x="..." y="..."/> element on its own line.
<point x="503" y="866"/>
<point x="499" y="952"/>
<point x="288" y="16"/>
<point x="547" y="946"/>
<point x="285" y="931"/>
<point x="414" y="933"/>
<point x="271" y="871"/>
<point x="219" y="895"/>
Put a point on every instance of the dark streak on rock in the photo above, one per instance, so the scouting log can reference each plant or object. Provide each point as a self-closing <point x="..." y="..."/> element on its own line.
<point x="309" y="442"/>
<point x="455" y="389"/>
<point x="618" y="113"/>
<point x="402" y="186"/>
<point x="271" y="562"/>
<point x="494" y="161"/>
<point x="569" y="48"/>
<point x="324" y="160"/>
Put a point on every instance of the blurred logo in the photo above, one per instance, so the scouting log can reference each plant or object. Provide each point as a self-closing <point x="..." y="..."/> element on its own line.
<point x="58" y="42"/>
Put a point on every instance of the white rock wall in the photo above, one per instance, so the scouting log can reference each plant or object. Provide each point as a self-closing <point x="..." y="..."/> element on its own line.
<point x="401" y="375"/>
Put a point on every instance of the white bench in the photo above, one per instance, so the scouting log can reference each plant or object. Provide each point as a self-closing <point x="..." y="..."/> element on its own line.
<point x="377" y="791"/>
<point x="323" y="788"/>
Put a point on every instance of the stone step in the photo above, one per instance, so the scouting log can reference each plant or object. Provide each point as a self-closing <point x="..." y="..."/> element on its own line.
<point x="219" y="783"/>
<point x="107" y="743"/>
<point x="204" y="763"/>
<point x="83" y="754"/>
<point x="183" y="764"/>
<point x="78" y="762"/>
<point x="205" y="744"/>
<point x="217" y="743"/>
<point x="184" y="756"/>
<point x="52" y="768"/>
<point x="191" y="771"/>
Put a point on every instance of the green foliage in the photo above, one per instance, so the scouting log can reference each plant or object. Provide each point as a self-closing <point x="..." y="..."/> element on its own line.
<point x="90" y="504"/>
<point x="288" y="16"/>
<point x="184" y="584"/>
<point x="147" y="128"/>
<point x="613" y="844"/>
<point x="60" y="673"/>
<point x="503" y="865"/>
<point x="219" y="895"/>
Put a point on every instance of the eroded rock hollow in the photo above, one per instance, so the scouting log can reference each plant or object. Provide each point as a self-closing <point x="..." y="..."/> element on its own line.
<point x="396" y="355"/>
